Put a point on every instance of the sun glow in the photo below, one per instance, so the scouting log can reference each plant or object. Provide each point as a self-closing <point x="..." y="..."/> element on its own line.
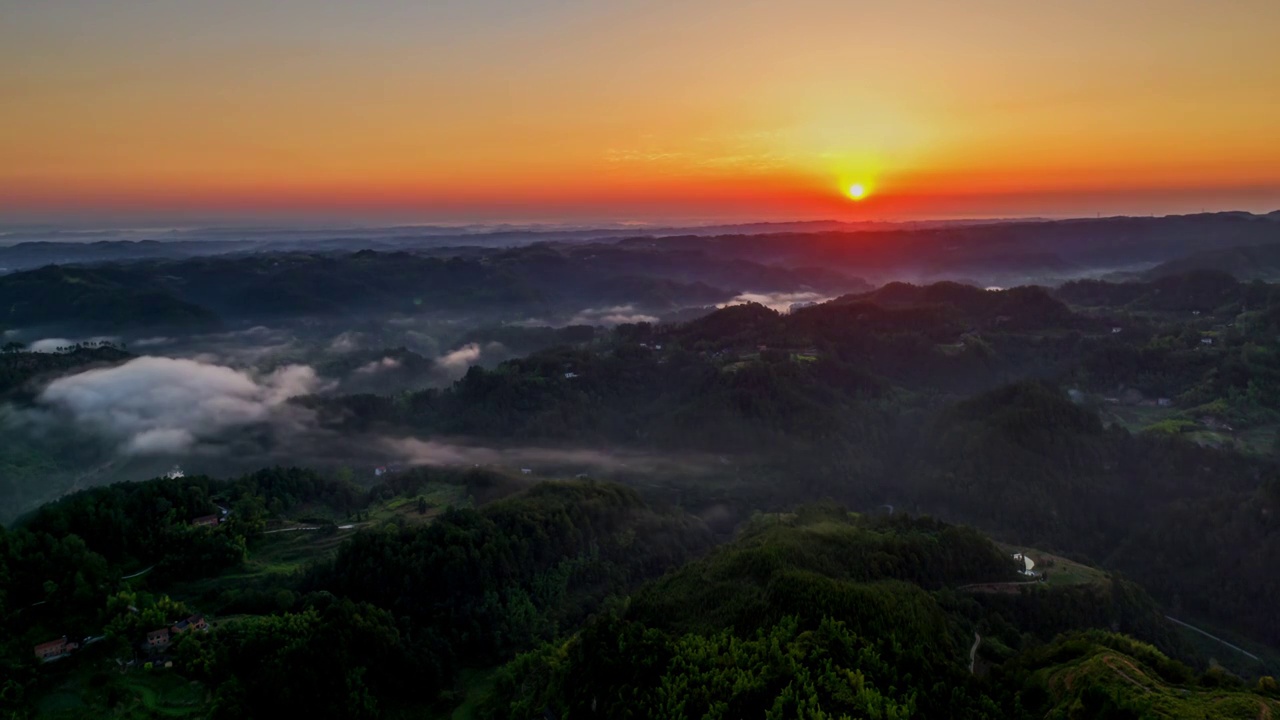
<point x="857" y="191"/>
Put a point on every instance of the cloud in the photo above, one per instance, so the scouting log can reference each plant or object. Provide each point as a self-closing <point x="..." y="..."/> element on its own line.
<point x="625" y="155"/>
<point x="780" y="302"/>
<point x="159" y="441"/>
<point x="377" y="366"/>
<point x="150" y="342"/>
<point x="438" y="453"/>
<point x="616" y="315"/>
<point x="531" y="323"/>
<point x="158" y="405"/>
<point x="48" y="345"/>
<point x="345" y="343"/>
<point x="254" y="346"/>
<point x="460" y="359"/>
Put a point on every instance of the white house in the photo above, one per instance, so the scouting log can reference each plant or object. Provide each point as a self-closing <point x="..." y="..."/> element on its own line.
<point x="1026" y="563"/>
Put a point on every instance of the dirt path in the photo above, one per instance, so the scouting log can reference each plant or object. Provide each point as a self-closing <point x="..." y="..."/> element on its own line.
<point x="307" y="528"/>
<point x="973" y="652"/>
<point x="1112" y="661"/>
<point x="997" y="587"/>
<point x="290" y="529"/>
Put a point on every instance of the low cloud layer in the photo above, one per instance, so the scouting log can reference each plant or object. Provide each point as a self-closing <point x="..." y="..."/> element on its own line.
<point x="57" y="344"/>
<point x="377" y="366"/>
<point x="462" y="358"/>
<point x="48" y="345"/>
<point x="616" y="315"/>
<point x="158" y="405"/>
<point x="781" y="302"/>
<point x="433" y="452"/>
<point x="252" y="347"/>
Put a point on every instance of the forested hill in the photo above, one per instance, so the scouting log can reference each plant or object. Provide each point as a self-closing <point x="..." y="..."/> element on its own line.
<point x="19" y="368"/>
<point x="691" y="383"/>
<point x="560" y="599"/>
<point x="821" y="614"/>
<point x="654" y="275"/>
<point x="1015" y="250"/>
<point x="1088" y="429"/>
<point x="99" y="300"/>
<point x="194" y="294"/>
<point x="1248" y="262"/>
<point x="1205" y="291"/>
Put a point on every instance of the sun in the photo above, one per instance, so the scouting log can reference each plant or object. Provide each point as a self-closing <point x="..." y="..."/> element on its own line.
<point x="857" y="191"/>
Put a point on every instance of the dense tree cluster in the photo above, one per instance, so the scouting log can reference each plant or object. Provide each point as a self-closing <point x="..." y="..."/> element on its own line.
<point x="475" y="586"/>
<point x="823" y="634"/>
<point x="331" y="658"/>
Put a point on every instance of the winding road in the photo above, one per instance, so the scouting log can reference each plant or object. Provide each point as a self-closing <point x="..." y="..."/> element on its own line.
<point x="1213" y="637"/>
<point x="973" y="652"/>
<point x="138" y="574"/>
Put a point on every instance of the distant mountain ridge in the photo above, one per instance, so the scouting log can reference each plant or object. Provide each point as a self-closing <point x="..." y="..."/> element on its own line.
<point x="1248" y="262"/>
<point x="1025" y="244"/>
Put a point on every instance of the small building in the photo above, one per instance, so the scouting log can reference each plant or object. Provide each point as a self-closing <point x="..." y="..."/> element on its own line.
<point x="158" y="638"/>
<point x="195" y="622"/>
<point x="526" y="471"/>
<point x="1164" y="402"/>
<point x="380" y="471"/>
<point x="207" y="520"/>
<point x="570" y="375"/>
<point x="1206" y="341"/>
<point x="1026" y="566"/>
<point x="55" y="649"/>
<point x="1116" y="330"/>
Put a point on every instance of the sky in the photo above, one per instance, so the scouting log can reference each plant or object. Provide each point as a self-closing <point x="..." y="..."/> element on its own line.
<point x="613" y="110"/>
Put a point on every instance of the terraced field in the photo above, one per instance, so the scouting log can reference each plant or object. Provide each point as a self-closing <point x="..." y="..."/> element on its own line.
<point x="1120" y="681"/>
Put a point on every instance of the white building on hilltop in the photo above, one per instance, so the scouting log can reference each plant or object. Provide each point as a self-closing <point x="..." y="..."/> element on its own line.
<point x="1027" y="565"/>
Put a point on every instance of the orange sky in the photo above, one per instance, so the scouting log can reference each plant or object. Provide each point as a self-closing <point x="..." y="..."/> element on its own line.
<point x="566" y="110"/>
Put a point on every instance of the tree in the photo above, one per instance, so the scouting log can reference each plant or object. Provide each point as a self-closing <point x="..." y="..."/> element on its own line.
<point x="422" y="505"/>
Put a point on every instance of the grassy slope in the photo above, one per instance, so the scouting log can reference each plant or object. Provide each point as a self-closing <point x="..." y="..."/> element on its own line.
<point x="277" y="557"/>
<point x="88" y="689"/>
<point x="1117" y="673"/>
<point x="1061" y="571"/>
